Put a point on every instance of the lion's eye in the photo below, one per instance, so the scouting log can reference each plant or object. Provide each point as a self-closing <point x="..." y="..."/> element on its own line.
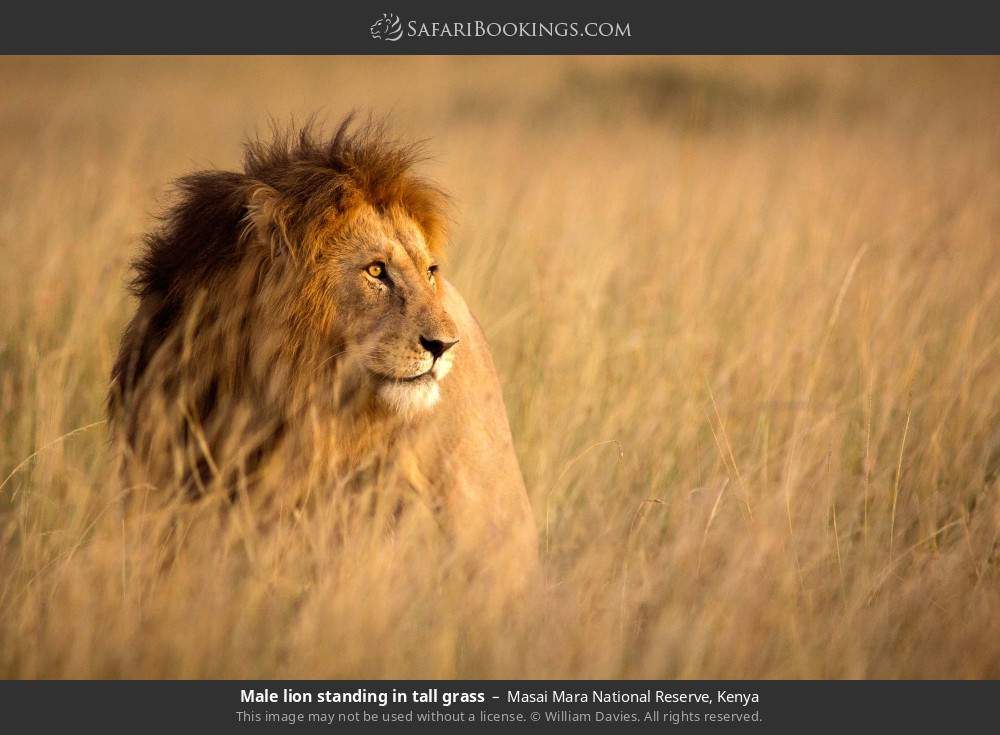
<point x="376" y="270"/>
<point x="431" y="273"/>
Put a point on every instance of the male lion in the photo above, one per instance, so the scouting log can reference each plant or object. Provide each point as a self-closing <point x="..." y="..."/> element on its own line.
<point x="294" y="330"/>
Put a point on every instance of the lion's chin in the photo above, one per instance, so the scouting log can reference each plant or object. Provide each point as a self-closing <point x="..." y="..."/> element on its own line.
<point x="410" y="398"/>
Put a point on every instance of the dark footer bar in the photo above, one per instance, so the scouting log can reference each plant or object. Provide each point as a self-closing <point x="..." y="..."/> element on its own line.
<point x="705" y="706"/>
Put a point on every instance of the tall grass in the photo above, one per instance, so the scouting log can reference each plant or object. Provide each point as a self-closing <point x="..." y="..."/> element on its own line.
<point x="746" y="316"/>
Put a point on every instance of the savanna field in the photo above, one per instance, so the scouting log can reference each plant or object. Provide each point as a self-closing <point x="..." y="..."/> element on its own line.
<point x="746" y="315"/>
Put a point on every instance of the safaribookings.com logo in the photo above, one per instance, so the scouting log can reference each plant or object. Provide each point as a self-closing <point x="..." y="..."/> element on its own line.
<point x="387" y="28"/>
<point x="390" y="28"/>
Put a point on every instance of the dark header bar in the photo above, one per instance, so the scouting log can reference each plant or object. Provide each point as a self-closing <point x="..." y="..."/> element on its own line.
<point x="512" y="27"/>
<point x="474" y="706"/>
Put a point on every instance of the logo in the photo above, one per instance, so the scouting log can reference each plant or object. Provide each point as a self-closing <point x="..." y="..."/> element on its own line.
<point x="387" y="28"/>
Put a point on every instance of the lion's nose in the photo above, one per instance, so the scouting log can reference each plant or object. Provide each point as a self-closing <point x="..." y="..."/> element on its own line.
<point x="437" y="347"/>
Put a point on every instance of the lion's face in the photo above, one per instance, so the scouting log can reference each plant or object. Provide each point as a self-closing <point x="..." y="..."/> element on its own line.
<point x="389" y="325"/>
<point x="378" y="27"/>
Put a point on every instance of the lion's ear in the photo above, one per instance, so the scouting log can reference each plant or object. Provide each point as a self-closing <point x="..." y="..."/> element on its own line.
<point x="267" y="218"/>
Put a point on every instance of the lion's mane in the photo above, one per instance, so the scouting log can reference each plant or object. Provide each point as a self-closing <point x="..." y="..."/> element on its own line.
<point x="215" y="370"/>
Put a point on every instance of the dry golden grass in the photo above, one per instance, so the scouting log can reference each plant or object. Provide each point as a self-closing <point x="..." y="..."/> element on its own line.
<point x="746" y="316"/>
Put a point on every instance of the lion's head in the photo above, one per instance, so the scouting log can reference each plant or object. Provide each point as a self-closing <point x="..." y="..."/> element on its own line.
<point x="355" y="243"/>
<point x="388" y="28"/>
<point x="309" y="281"/>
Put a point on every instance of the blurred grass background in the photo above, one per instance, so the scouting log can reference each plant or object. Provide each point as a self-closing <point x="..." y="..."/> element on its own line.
<point x="745" y="312"/>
